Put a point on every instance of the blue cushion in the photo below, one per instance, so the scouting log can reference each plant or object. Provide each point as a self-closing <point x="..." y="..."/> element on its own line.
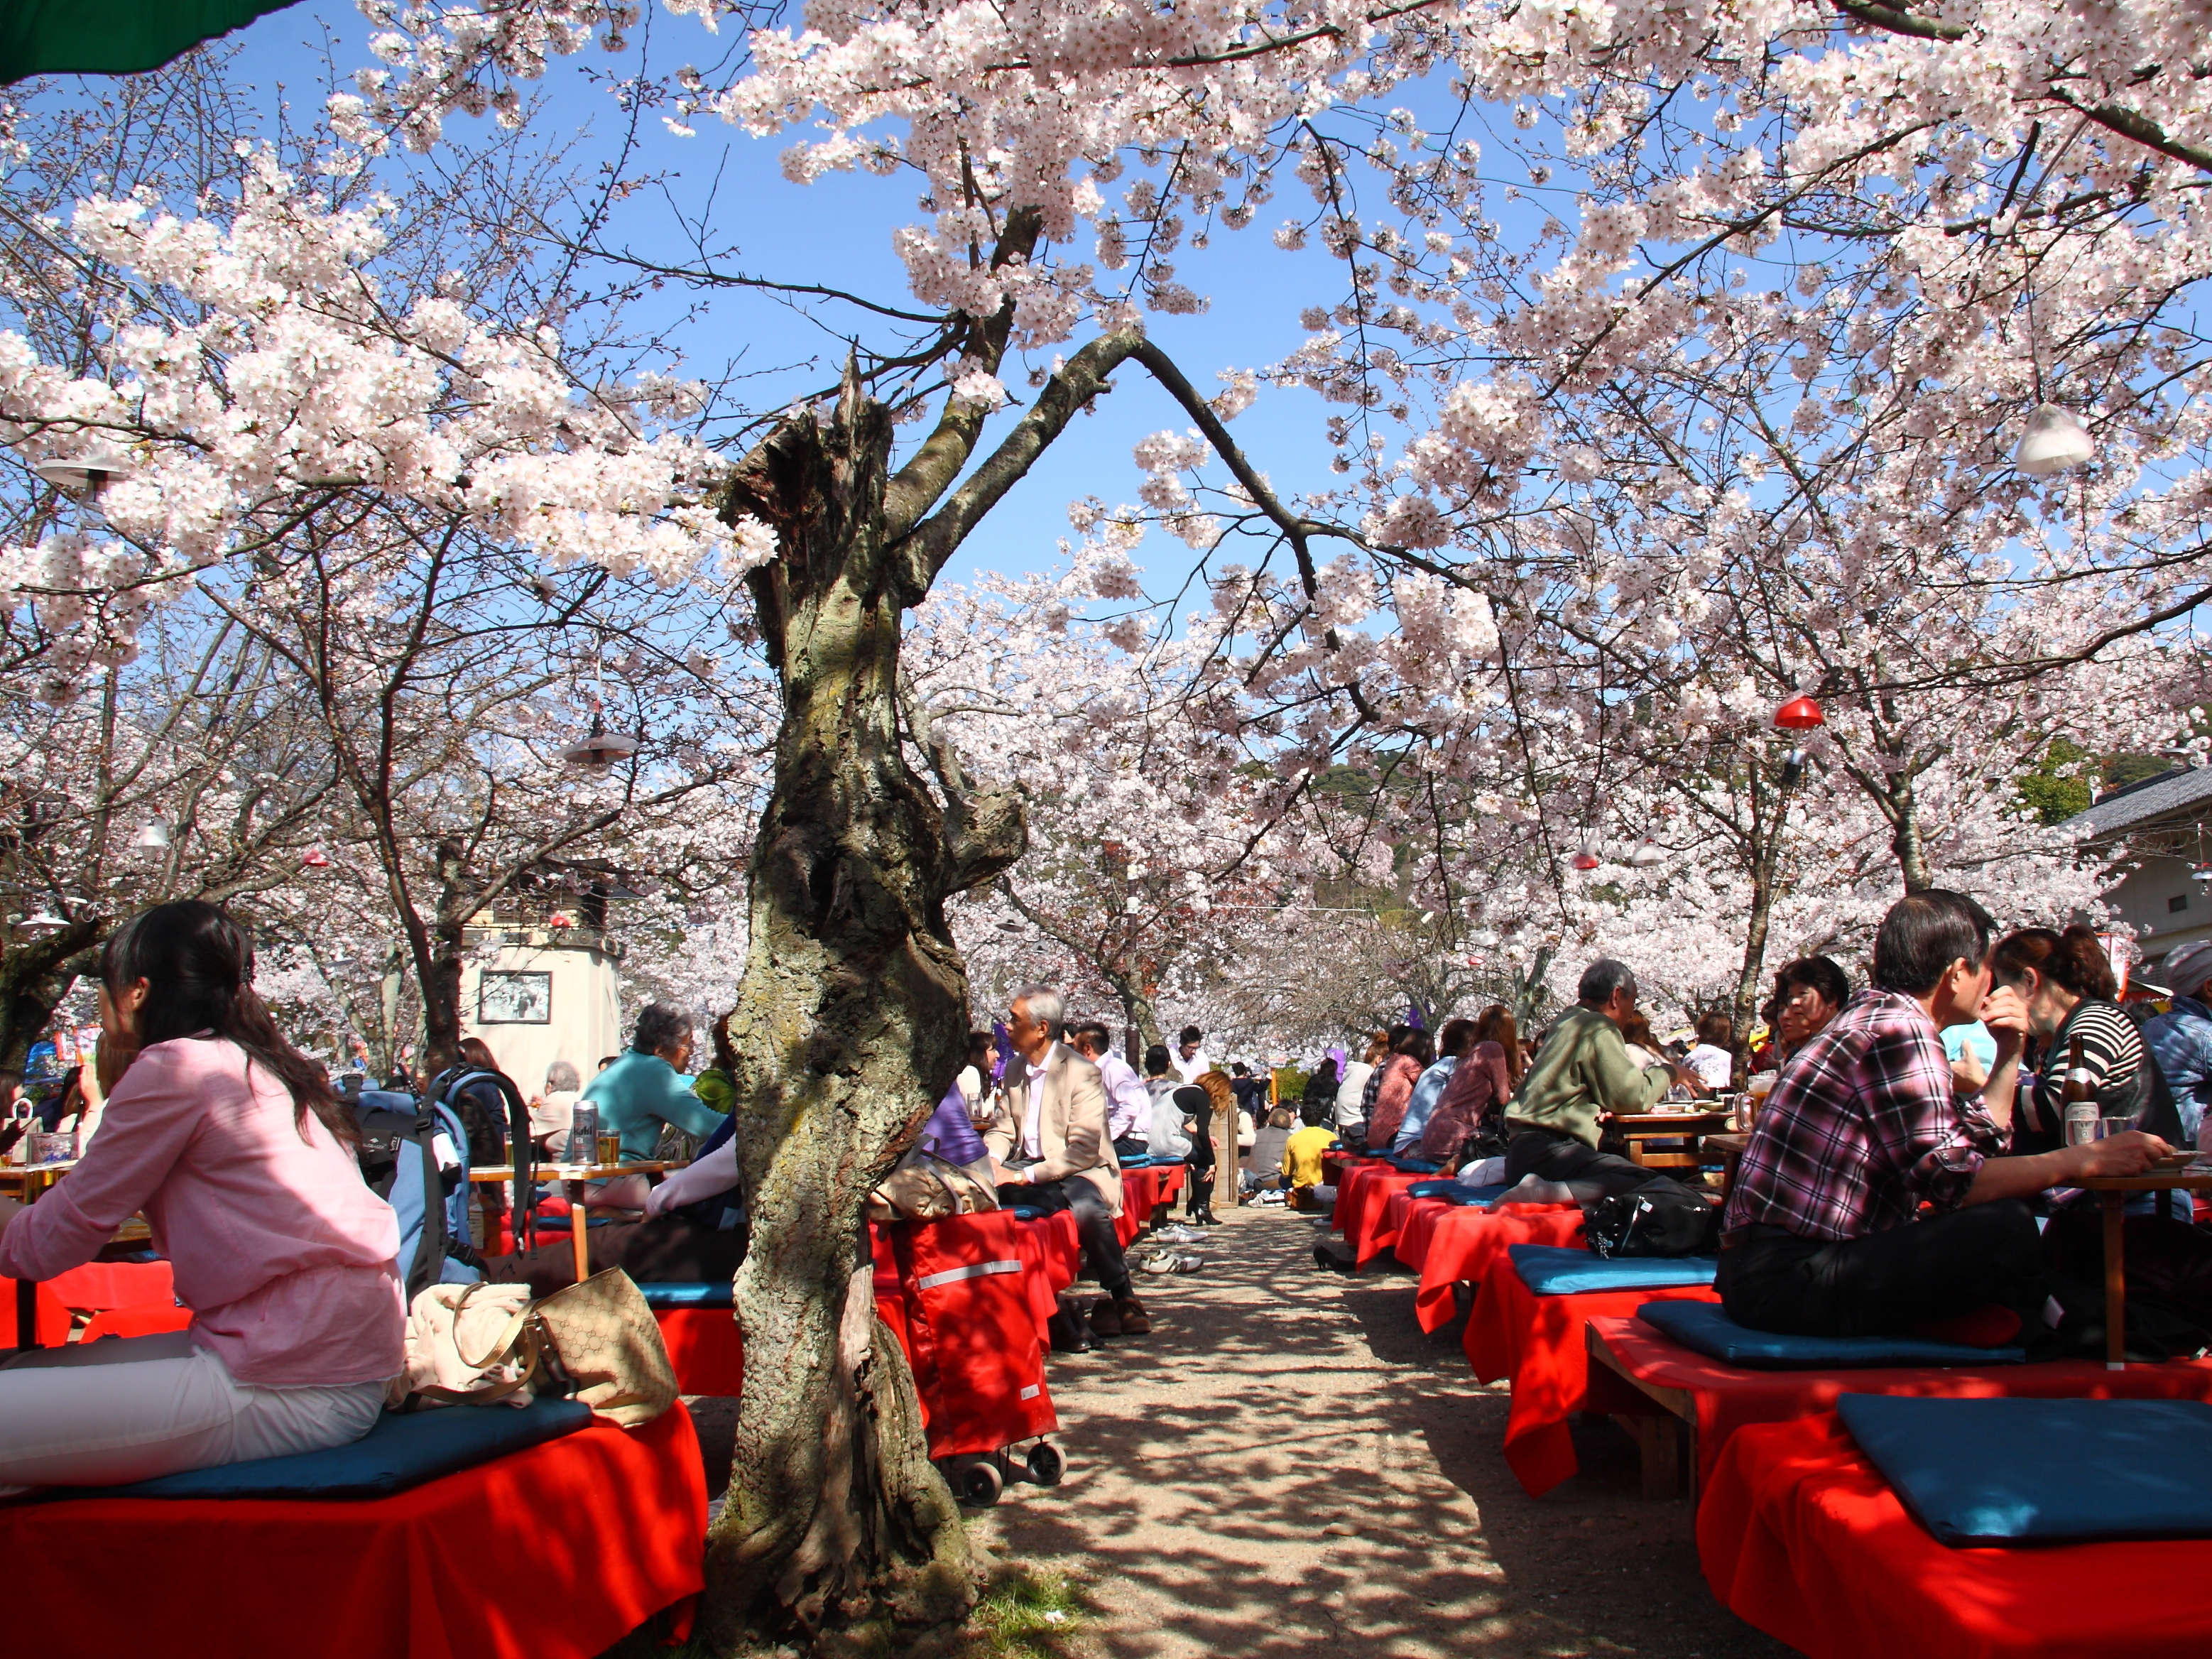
<point x="1706" y="1327"/>
<point x="1024" y="1213"/>
<point x="1414" y="1165"/>
<point x="559" y="1223"/>
<point x="1455" y="1192"/>
<point x="1550" y="1271"/>
<point x="405" y="1449"/>
<point x="678" y="1294"/>
<point x="2041" y="1471"/>
<point x="1142" y="1161"/>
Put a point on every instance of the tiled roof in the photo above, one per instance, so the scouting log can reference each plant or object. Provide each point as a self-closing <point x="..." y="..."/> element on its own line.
<point x="2140" y="803"/>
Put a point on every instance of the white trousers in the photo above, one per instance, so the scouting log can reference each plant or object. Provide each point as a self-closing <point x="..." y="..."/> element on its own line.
<point x="124" y="1409"/>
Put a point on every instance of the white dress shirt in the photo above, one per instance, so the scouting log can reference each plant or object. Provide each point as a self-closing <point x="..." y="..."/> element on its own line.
<point x="1192" y="1069"/>
<point x="1128" y="1103"/>
<point x="1033" y="1114"/>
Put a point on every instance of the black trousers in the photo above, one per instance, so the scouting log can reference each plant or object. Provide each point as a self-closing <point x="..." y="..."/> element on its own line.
<point x="1889" y="1281"/>
<point x="1584" y="1171"/>
<point x="1131" y="1146"/>
<point x="1094" y="1224"/>
<point x="669" y="1249"/>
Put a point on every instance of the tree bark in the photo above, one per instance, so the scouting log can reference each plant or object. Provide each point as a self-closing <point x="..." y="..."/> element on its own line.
<point x="1766" y="850"/>
<point x="851" y="1021"/>
<point x="35" y="975"/>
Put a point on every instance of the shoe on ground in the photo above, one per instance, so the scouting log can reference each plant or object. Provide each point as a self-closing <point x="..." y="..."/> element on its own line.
<point x="1131" y="1318"/>
<point x="1177" y="1233"/>
<point x="1533" y="1189"/>
<point x="1162" y="1263"/>
<point x="1106" y="1318"/>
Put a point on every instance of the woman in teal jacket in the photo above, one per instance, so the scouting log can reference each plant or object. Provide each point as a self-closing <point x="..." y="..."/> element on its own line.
<point x="647" y="1087"/>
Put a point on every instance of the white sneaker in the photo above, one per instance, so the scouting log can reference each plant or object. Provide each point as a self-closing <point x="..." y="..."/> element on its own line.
<point x="1176" y="1233"/>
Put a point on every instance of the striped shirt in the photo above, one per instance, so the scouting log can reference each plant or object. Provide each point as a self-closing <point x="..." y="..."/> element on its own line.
<point x="1862" y="1127"/>
<point x="2112" y="1049"/>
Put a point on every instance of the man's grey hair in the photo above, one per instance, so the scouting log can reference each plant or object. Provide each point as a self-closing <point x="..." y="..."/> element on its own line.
<point x="1601" y="979"/>
<point x="1045" y="1004"/>
<point x="561" y="1075"/>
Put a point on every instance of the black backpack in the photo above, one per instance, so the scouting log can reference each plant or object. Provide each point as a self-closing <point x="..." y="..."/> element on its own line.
<point x="1662" y="1219"/>
<point x="493" y="1143"/>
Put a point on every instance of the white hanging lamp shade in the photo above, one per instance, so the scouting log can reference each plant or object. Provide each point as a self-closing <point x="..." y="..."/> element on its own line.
<point x="599" y="747"/>
<point x="86" y="475"/>
<point x="1646" y="854"/>
<point x="153" y="837"/>
<point x="2055" y="441"/>
<point x="41" y="923"/>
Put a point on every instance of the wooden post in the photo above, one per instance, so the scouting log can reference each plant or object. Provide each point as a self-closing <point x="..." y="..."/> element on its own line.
<point x="1227" y="1178"/>
<point x="2116" y="1282"/>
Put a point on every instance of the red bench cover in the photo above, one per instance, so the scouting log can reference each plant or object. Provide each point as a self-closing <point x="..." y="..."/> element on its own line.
<point x="1464" y="1241"/>
<point x="706" y="1348"/>
<point x="1538" y="1341"/>
<point x="556" y="1551"/>
<point x="51" y="1323"/>
<point x="1801" y="1536"/>
<point x="1727" y="1397"/>
<point x="1050" y="1252"/>
<point x="978" y="1364"/>
<point x="1411" y="1222"/>
<point x="1354" y="1176"/>
<point x="1371" y="1231"/>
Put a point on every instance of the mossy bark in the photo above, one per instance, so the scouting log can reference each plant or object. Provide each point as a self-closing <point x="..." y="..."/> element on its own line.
<point x="851" y="1020"/>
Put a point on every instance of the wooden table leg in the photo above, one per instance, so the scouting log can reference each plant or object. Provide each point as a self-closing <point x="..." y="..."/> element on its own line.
<point x="2116" y="1283"/>
<point x="576" y="1233"/>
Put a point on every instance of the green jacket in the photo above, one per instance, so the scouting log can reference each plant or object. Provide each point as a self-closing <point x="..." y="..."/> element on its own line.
<point x="1582" y="1069"/>
<point x="638" y="1093"/>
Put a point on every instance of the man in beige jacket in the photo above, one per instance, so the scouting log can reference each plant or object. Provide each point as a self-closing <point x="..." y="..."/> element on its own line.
<point x="1048" y="1138"/>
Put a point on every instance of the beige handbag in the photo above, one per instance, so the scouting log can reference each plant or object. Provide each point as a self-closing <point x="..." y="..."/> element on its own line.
<point x="602" y="1335"/>
<point x="479" y="1345"/>
<point x="923" y="1187"/>
<point x="468" y="1345"/>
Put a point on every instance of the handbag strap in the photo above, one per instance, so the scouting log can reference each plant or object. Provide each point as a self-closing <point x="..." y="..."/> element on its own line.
<point x="517" y="1324"/>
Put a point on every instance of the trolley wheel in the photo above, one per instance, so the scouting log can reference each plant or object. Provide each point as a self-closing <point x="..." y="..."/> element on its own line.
<point x="1046" y="1465"/>
<point x="979" y="1484"/>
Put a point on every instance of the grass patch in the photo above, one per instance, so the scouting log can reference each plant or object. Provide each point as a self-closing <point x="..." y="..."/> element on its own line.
<point x="1028" y="1613"/>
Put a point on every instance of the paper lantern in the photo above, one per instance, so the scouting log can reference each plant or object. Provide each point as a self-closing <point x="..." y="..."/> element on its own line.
<point x="1800" y="714"/>
<point x="2055" y="441"/>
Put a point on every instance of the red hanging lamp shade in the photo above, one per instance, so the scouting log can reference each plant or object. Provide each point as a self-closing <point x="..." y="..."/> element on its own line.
<point x="1585" y="860"/>
<point x="317" y="859"/>
<point x="1800" y="714"/>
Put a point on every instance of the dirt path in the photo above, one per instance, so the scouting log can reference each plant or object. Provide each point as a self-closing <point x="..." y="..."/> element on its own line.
<point x="1287" y="1463"/>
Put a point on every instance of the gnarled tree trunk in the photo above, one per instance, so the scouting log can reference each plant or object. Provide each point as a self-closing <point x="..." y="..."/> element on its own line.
<point x="851" y="1019"/>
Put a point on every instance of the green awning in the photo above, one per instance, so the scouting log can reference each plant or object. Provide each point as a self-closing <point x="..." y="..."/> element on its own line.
<point x="111" y="37"/>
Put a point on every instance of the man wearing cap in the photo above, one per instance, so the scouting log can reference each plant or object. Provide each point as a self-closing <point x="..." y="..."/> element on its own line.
<point x="2181" y="1038"/>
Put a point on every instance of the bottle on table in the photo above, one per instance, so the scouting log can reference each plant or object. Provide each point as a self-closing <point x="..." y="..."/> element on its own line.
<point x="2079" y="1095"/>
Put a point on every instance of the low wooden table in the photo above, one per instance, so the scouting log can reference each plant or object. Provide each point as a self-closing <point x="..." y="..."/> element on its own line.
<point x="1637" y="1127"/>
<point x="2113" y="1192"/>
<point x="573" y="1178"/>
<point x="1730" y="1147"/>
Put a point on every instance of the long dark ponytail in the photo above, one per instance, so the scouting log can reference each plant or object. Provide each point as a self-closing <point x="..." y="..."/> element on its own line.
<point x="197" y="964"/>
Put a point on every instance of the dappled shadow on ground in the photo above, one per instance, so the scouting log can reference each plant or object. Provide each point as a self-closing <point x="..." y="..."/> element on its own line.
<point x="1289" y="1460"/>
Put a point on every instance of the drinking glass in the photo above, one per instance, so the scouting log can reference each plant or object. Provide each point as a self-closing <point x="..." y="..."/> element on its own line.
<point x="2109" y="1126"/>
<point x="610" y="1148"/>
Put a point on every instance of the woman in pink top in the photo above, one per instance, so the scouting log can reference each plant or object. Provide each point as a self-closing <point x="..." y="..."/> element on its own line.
<point x="1470" y="1118"/>
<point x="1409" y="1060"/>
<point x="230" y="1142"/>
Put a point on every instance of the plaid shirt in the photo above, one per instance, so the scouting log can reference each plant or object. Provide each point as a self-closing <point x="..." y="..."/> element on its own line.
<point x="1862" y="1127"/>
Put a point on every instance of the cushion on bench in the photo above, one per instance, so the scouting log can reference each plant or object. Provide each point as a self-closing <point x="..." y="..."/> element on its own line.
<point x="1549" y="1271"/>
<point x="2011" y="1471"/>
<point x="720" y="1293"/>
<point x="405" y="1449"/>
<point x="1408" y="1165"/>
<point x="1455" y="1192"/>
<point x="1705" y="1327"/>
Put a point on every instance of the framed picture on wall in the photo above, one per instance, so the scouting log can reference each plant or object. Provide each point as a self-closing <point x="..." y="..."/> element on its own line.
<point x="506" y="997"/>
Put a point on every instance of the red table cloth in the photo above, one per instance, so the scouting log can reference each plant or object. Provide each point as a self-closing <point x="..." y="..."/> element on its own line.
<point x="706" y="1347"/>
<point x="1370" y="1232"/>
<point x="1538" y="1341"/>
<point x="1349" y="1201"/>
<point x="1728" y="1397"/>
<point x="556" y="1551"/>
<point x="1801" y="1536"/>
<point x="1463" y="1243"/>
<point x="1144" y="1189"/>
<point x="1050" y="1251"/>
<point x="1410" y="1221"/>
